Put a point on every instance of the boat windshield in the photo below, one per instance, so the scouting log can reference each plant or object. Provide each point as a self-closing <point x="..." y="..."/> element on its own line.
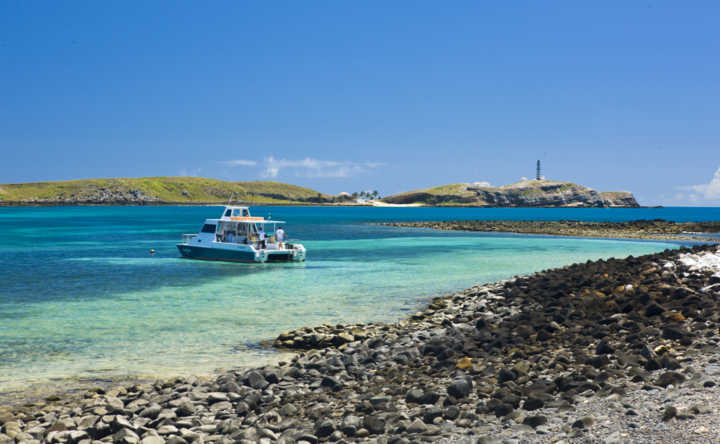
<point x="237" y="212"/>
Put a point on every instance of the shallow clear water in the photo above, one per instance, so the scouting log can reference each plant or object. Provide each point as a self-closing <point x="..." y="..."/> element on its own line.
<point x="82" y="297"/>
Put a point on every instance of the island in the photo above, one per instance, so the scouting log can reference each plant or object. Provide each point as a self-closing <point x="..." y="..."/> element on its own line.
<point x="206" y="191"/>
<point x="158" y="191"/>
<point x="525" y="193"/>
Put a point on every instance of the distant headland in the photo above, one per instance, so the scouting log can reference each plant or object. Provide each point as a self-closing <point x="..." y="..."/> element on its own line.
<point x="157" y="191"/>
<point x="204" y="191"/>
<point x="526" y="193"/>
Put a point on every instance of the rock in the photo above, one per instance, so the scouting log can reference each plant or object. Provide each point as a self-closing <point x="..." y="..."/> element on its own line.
<point x="668" y="378"/>
<point x="152" y="439"/>
<point x="185" y="408"/>
<point x="125" y="436"/>
<point x="431" y="413"/>
<point x="324" y="428"/>
<point x="114" y="405"/>
<point x="312" y="439"/>
<point x="583" y="422"/>
<point x="604" y="348"/>
<point x="151" y="411"/>
<point x="669" y="413"/>
<point x="506" y="375"/>
<point x="252" y="399"/>
<point x="673" y="332"/>
<point x="535" y="421"/>
<point x="414" y="396"/>
<point x="375" y="424"/>
<point x="464" y="363"/>
<point x="12" y="428"/>
<point x="451" y="412"/>
<point x="503" y="409"/>
<point x="599" y="361"/>
<point x="532" y="403"/>
<point x="417" y="426"/>
<point x="231" y="387"/>
<point x="675" y="316"/>
<point x="217" y="397"/>
<point x="166" y="414"/>
<point x="429" y="398"/>
<point x="288" y="410"/>
<point x="350" y="425"/>
<point x="653" y="309"/>
<point x="167" y="430"/>
<point x="119" y="423"/>
<point x="222" y="405"/>
<point x="256" y="380"/>
<point x="460" y="388"/>
<point x="342" y="338"/>
<point x="332" y="383"/>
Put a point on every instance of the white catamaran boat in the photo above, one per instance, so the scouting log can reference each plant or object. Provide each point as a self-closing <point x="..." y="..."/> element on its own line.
<point x="239" y="237"/>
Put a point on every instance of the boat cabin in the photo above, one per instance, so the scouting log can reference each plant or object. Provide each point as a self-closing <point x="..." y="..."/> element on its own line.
<point x="237" y="226"/>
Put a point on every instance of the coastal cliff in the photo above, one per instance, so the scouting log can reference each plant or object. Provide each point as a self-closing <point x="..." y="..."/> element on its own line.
<point x="526" y="193"/>
<point x="156" y="191"/>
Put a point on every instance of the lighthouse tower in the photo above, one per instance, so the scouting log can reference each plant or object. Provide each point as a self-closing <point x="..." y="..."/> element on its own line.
<point x="538" y="176"/>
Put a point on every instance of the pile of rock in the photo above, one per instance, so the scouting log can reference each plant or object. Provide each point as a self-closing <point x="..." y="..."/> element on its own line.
<point x="519" y="359"/>
<point x="636" y="229"/>
<point x="326" y="336"/>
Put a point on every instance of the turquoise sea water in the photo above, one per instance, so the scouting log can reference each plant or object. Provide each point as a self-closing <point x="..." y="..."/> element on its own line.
<point x="82" y="297"/>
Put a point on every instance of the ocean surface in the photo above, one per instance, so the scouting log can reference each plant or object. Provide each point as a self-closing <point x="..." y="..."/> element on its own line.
<point x="81" y="298"/>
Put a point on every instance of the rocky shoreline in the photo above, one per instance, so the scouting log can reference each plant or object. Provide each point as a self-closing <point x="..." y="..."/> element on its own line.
<point x="619" y="350"/>
<point x="657" y="229"/>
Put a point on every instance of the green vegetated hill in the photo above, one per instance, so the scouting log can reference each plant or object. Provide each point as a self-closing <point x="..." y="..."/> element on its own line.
<point x="526" y="193"/>
<point x="156" y="190"/>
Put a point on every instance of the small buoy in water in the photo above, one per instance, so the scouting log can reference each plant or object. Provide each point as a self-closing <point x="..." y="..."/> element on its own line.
<point x="152" y="251"/>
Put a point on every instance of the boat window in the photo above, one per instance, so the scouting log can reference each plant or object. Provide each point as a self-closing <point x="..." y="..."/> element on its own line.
<point x="208" y="228"/>
<point x="227" y="213"/>
<point x="246" y="212"/>
<point x="236" y="212"/>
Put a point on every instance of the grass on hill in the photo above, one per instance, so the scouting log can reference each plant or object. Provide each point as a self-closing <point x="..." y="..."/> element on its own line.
<point x="162" y="189"/>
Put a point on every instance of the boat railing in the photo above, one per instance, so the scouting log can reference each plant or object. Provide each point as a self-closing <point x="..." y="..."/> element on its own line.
<point x="186" y="238"/>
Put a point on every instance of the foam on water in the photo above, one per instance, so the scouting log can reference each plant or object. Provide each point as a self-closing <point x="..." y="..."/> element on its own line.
<point x="85" y="299"/>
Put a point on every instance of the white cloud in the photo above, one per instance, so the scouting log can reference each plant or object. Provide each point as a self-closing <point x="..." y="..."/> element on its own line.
<point x="704" y="192"/>
<point x="315" y="168"/>
<point x="190" y="173"/>
<point x="270" y="172"/>
<point x="239" y="162"/>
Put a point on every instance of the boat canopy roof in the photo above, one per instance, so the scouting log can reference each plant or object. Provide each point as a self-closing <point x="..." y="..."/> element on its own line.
<point x="245" y="220"/>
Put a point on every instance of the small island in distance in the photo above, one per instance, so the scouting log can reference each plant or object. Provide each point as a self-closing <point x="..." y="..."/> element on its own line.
<point x="525" y="193"/>
<point x="199" y="191"/>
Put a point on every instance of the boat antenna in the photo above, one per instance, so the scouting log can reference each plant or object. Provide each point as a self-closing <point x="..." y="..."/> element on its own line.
<point x="230" y="200"/>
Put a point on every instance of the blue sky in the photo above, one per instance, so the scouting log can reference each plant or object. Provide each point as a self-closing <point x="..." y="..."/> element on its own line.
<point x="345" y="96"/>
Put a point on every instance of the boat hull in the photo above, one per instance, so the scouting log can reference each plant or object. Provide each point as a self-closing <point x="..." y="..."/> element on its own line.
<point x="216" y="254"/>
<point x="235" y="255"/>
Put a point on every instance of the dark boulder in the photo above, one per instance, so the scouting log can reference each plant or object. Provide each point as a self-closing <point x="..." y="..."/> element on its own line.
<point x="460" y="387"/>
<point x="534" y="421"/>
<point x="668" y="378"/>
<point x="506" y="375"/>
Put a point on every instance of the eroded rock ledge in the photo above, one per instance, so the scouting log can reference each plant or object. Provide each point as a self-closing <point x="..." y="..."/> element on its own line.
<point x="520" y="359"/>
<point x="638" y="229"/>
